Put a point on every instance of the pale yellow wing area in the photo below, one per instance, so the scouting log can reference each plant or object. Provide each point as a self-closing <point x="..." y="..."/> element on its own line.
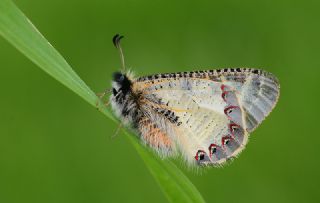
<point x="209" y="113"/>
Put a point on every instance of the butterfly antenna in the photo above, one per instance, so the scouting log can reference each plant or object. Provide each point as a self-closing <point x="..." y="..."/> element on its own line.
<point x="116" y="41"/>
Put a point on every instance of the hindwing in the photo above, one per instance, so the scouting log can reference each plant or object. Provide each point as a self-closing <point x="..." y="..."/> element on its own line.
<point x="207" y="115"/>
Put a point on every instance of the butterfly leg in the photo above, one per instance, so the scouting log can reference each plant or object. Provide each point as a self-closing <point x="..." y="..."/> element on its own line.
<point x="101" y="95"/>
<point x="117" y="131"/>
<point x="107" y="103"/>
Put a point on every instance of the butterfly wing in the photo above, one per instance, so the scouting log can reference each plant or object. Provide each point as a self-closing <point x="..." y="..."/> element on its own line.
<point x="208" y="114"/>
<point x="155" y="136"/>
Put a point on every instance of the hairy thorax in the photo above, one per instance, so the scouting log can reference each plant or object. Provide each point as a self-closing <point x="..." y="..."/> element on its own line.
<point x="124" y="101"/>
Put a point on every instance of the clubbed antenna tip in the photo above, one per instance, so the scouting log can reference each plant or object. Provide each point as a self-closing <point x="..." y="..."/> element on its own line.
<point x="116" y="41"/>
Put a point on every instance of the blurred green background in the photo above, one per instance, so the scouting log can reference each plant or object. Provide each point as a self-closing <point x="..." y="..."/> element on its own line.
<point x="54" y="147"/>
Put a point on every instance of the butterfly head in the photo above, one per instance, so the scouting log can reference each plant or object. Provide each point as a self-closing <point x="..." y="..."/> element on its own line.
<point x="121" y="83"/>
<point x="122" y="101"/>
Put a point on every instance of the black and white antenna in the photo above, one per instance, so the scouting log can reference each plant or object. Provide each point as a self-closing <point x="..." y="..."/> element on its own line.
<point x="116" y="41"/>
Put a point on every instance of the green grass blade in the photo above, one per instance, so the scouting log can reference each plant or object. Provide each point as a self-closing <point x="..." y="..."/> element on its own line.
<point x="175" y="185"/>
<point x="20" y="32"/>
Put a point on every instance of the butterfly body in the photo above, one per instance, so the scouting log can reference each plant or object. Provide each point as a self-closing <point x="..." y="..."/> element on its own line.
<point x="205" y="116"/>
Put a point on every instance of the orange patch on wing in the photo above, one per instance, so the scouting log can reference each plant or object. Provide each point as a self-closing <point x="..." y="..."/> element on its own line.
<point x="153" y="135"/>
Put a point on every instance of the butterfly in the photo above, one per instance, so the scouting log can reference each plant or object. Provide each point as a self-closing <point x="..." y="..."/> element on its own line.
<point x="204" y="116"/>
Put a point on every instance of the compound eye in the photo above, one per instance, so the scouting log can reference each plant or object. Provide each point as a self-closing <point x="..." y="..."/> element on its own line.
<point x="121" y="78"/>
<point x="118" y="77"/>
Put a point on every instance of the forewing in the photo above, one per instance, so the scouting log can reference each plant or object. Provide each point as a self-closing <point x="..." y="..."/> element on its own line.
<point x="155" y="136"/>
<point x="212" y="111"/>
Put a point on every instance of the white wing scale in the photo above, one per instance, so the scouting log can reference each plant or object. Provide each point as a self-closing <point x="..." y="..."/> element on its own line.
<point x="215" y="110"/>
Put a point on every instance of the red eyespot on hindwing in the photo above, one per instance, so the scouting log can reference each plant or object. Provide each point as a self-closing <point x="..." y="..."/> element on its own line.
<point x="229" y="144"/>
<point x="234" y="114"/>
<point x="200" y="155"/>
